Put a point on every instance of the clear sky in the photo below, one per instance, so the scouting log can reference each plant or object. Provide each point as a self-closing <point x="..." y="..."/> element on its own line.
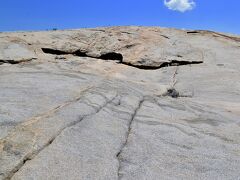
<point x="218" y="15"/>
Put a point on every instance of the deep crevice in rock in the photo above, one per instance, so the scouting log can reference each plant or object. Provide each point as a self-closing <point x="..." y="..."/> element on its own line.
<point x="54" y="51"/>
<point x="165" y="64"/>
<point x="112" y="56"/>
<point x="106" y="56"/>
<point x="193" y="32"/>
<point x="60" y="52"/>
<point x="14" y="61"/>
<point x="119" y="57"/>
<point x="8" y="62"/>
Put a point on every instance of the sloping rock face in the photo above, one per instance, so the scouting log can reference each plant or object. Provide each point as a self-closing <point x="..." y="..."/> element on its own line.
<point x="119" y="103"/>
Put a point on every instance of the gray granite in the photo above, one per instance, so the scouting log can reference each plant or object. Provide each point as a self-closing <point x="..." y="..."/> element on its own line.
<point x="119" y="103"/>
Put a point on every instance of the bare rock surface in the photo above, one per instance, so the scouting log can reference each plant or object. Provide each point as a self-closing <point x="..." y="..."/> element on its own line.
<point x="14" y="53"/>
<point x="119" y="103"/>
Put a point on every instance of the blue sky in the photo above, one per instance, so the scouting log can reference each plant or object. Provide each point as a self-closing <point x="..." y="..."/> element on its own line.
<point x="218" y="15"/>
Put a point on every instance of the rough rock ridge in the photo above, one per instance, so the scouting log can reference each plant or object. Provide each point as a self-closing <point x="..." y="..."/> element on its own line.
<point x="119" y="103"/>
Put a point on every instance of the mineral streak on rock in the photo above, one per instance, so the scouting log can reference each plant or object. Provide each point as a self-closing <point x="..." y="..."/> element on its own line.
<point x="119" y="103"/>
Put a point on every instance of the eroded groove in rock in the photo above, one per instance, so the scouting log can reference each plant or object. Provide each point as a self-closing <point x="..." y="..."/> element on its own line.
<point x="33" y="153"/>
<point x="127" y="135"/>
<point x="105" y="56"/>
<point x="164" y="64"/>
<point x="165" y="36"/>
<point x="8" y="62"/>
<point x="29" y="157"/>
<point x="15" y="62"/>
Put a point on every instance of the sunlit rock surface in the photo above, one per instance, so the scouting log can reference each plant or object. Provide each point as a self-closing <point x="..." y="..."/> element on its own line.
<point x="119" y="103"/>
